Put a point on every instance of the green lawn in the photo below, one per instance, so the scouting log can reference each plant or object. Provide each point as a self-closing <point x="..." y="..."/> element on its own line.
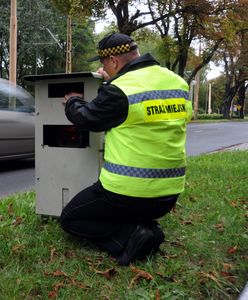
<point x="204" y="256"/>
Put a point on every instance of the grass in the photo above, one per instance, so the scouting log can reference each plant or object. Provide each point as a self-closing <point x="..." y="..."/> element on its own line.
<point x="204" y="255"/>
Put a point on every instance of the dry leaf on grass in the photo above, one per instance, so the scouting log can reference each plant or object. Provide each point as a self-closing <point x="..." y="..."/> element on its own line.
<point x="229" y="276"/>
<point x="187" y="222"/>
<point x="54" y="293"/>
<point x="140" y="274"/>
<point x="57" y="273"/>
<point x="234" y="204"/>
<point x="109" y="273"/>
<point x="227" y="267"/>
<point x="166" y="278"/>
<point x="157" y="295"/>
<point x="68" y="281"/>
<point x="17" y="221"/>
<point x="53" y="254"/>
<point x="10" y="210"/>
<point x="220" y="227"/>
<point x="176" y="244"/>
<point x="209" y="276"/>
<point x="232" y="249"/>
<point x="69" y="254"/>
<point x="79" y="284"/>
<point x="18" y="247"/>
<point x="172" y="256"/>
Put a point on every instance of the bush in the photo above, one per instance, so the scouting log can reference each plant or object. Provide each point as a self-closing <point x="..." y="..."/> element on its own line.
<point x="209" y="117"/>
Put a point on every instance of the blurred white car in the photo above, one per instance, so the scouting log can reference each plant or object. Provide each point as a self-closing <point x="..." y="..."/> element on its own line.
<point x="16" y="122"/>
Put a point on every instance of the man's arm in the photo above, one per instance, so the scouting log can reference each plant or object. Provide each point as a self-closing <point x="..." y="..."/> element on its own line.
<point x="109" y="109"/>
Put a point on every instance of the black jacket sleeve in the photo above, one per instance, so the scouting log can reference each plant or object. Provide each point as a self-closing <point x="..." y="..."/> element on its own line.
<point x="109" y="109"/>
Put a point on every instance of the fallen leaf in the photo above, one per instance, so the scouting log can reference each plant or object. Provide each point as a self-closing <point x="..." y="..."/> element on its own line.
<point x="166" y="278"/>
<point x="174" y="209"/>
<point x="227" y="266"/>
<point x="140" y="274"/>
<point x="53" y="254"/>
<point x="52" y="295"/>
<point x="94" y="264"/>
<point x="192" y="198"/>
<point x="157" y="295"/>
<point x="234" y="204"/>
<point x="57" y="273"/>
<point x="18" y="247"/>
<point x="220" y="227"/>
<point x="229" y="276"/>
<point x="58" y="285"/>
<point x="109" y="273"/>
<point x="170" y="256"/>
<point x="10" y="209"/>
<point x="67" y="282"/>
<point x="232" y="249"/>
<point x="210" y="275"/>
<point x="69" y="254"/>
<point x="79" y="284"/>
<point x="187" y="222"/>
<point x="17" y="221"/>
<point x="177" y="244"/>
<point x="201" y="262"/>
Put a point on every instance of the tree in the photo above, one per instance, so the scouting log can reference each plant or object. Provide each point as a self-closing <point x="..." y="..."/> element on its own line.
<point x="179" y="23"/>
<point x="188" y="21"/>
<point x="38" y="50"/>
<point x="235" y="56"/>
<point x="32" y="39"/>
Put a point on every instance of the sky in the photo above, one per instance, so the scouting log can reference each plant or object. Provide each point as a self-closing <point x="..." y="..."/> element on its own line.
<point x="214" y="72"/>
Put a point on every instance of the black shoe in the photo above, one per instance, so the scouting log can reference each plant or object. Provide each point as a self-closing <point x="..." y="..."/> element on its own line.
<point x="138" y="244"/>
<point x="157" y="239"/>
<point x="158" y="236"/>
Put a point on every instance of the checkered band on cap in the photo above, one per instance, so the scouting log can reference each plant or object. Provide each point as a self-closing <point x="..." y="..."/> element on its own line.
<point x="114" y="50"/>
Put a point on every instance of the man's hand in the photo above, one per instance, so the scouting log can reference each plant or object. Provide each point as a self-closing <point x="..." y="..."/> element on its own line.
<point x="72" y="94"/>
<point x="104" y="74"/>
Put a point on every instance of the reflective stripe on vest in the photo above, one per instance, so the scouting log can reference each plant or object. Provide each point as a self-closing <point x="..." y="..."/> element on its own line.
<point x="145" y="155"/>
<point x="144" y="172"/>
<point x="158" y="94"/>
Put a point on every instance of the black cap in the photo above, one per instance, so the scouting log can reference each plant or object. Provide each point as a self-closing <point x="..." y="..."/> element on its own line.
<point x="113" y="44"/>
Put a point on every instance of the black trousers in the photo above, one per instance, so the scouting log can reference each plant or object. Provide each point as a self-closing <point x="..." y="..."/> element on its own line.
<point x="108" y="219"/>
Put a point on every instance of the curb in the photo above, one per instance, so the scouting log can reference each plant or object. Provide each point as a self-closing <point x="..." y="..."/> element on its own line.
<point x="236" y="147"/>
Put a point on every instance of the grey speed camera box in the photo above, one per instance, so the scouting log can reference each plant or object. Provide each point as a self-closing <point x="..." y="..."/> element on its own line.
<point x="67" y="158"/>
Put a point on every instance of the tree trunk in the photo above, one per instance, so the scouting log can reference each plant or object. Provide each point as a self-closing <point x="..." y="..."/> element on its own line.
<point x="228" y="102"/>
<point x="226" y="109"/>
<point x="241" y="101"/>
<point x="182" y="60"/>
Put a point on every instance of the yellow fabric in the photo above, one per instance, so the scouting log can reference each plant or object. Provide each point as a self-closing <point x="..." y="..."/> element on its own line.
<point x="153" y="135"/>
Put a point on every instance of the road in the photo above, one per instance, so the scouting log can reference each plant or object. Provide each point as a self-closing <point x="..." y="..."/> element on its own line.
<point x="201" y="138"/>
<point x="16" y="176"/>
<point x="208" y="137"/>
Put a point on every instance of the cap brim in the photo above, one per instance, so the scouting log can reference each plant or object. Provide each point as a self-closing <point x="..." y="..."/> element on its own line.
<point x="93" y="58"/>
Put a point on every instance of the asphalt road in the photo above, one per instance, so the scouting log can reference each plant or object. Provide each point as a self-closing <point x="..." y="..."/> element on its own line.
<point x="18" y="176"/>
<point x="203" y="138"/>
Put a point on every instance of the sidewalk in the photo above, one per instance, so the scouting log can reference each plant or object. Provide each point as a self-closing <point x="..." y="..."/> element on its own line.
<point x="238" y="147"/>
<point x="243" y="147"/>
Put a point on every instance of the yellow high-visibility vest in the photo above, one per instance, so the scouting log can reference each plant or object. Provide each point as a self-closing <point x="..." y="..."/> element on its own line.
<point x="145" y="155"/>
